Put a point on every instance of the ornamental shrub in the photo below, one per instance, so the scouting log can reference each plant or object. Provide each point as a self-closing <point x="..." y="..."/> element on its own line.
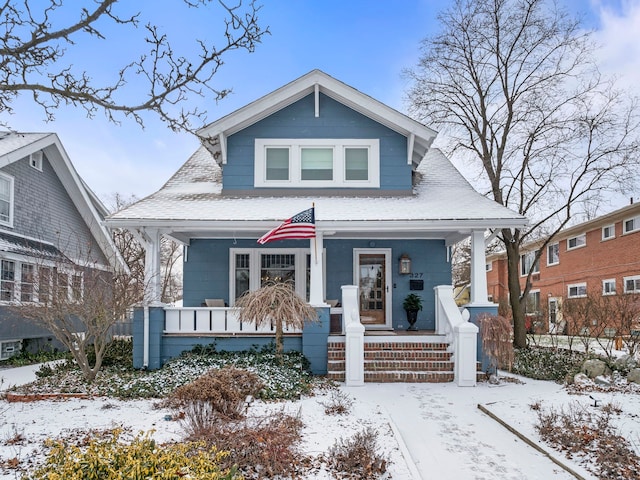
<point x="107" y="458"/>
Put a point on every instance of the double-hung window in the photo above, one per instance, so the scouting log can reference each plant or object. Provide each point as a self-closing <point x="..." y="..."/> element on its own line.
<point x="7" y="280"/>
<point x="608" y="232"/>
<point x="553" y="254"/>
<point x="27" y="278"/>
<point x="609" y="286"/>
<point x="6" y="200"/>
<point x="631" y="225"/>
<point x="300" y="163"/>
<point x="527" y="263"/>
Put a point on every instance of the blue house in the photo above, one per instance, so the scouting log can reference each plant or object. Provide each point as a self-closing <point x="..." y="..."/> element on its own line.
<point x="50" y="230"/>
<point x="388" y="209"/>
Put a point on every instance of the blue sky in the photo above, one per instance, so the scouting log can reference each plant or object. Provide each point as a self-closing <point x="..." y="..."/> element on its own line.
<point x="365" y="44"/>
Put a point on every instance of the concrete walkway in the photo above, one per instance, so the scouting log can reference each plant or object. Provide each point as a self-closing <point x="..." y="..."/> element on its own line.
<point x="447" y="437"/>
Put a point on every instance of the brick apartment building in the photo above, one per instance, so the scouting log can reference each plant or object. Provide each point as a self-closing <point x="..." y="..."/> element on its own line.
<point x="599" y="256"/>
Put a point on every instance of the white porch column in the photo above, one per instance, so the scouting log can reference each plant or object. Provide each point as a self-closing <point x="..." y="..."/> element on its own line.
<point x="316" y="287"/>
<point x="478" y="269"/>
<point x="152" y="277"/>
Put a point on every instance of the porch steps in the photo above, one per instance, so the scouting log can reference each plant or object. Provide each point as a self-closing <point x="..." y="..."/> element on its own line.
<point x="396" y="360"/>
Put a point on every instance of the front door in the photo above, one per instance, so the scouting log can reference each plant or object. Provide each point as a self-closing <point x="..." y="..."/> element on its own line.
<point x="553" y="315"/>
<point x="373" y="276"/>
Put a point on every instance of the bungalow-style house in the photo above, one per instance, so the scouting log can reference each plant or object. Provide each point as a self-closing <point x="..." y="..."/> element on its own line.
<point x="599" y="257"/>
<point x="50" y="222"/>
<point x="387" y="210"/>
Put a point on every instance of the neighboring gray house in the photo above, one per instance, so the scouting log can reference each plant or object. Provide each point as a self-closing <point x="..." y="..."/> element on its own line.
<point x="48" y="217"/>
<point x="388" y="209"/>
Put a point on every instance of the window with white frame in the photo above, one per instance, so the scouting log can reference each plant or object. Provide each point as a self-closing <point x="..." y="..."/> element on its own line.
<point x="632" y="284"/>
<point x="631" y="225"/>
<point x="6" y="200"/>
<point x="577" y="290"/>
<point x="7" y="280"/>
<point x="608" y="232"/>
<point x="577" y="241"/>
<point x="553" y="254"/>
<point x="35" y="160"/>
<point x="609" y="286"/>
<point x="27" y="278"/>
<point x="296" y="163"/>
<point x="527" y="263"/>
<point x="44" y="284"/>
<point x="252" y="268"/>
<point x="532" y="304"/>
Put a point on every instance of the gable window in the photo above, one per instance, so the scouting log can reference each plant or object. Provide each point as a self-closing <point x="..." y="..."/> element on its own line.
<point x="608" y="232"/>
<point x="577" y="290"/>
<point x="577" y="241"/>
<point x="7" y="280"/>
<point x="609" y="286"/>
<point x="35" y="160"/>
<point x="6" y="200"/>
<point x="300" y="163"/>
<point x="553" y="254"/>
<point x="631" y="225"/>
<point x="632" y="284"/>
<point x="527" y="263"/>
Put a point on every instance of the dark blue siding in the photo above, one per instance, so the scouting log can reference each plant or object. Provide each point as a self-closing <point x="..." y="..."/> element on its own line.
<point x="206" y="273"/>
<point x="335" y="121"/>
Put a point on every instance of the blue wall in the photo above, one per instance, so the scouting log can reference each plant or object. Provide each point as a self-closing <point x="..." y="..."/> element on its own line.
<point x="206" y="273"/>
<point x="335" y="121"/>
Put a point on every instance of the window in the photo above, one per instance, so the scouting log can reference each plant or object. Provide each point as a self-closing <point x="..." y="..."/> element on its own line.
<point x="553" y="254"/>
<point x="489" y="266"/>
<point x="577" y="241"/>
<point x="76" y="287"/>
<point x="7" y="280"/>
<point x="6" y="200"/>
<point x="609" y="286"/>
<point x="26" y="282"/>
<point x="631" y="225"/>
<point x="527" y="263"/>
<point x="577" y="290"/>
<point x="301" y="163"/>
<point x="608" y="232"/>
<point x="532" y="305"/>
<point x="253" y="267"/>
<point x="44" y="285"/>
<point x="632" y="284"/>
<point x="35" y="160"/>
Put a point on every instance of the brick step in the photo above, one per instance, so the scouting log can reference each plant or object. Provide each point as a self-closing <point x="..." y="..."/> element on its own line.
<point x="395" y="347"/>
<point x="399" y="376"/>
<point x="395" y="355"/>
<point x="402" y="365"/>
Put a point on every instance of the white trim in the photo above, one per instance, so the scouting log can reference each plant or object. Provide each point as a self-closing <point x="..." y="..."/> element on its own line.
<point x="316" y="100"/>
<point x="636" y="281"/>
<point x="11" y="180"/>
<point x="635" y="225"/>
<point x="577" y="286"/>
<point x="35" y="160"/>
<point x="387" y="252"/>
<point x="410" y="142"/>
<point x="223" y="147"/>
<point x="612" y="228"/>
<point x="295" y="147"/>
<point x="582" y="236"/>
<point x="557" y="244"/>
<point x="609" y="281"/>
<point x="558" y="313"/>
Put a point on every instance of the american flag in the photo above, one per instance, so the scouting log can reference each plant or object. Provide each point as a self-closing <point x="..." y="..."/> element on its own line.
<point x="301" y="225"/>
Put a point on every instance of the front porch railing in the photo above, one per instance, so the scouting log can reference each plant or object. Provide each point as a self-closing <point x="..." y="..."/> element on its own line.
<point x="212" y="321"/>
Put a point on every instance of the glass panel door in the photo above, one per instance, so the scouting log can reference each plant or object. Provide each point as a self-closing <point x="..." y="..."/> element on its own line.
<point x="372" y="282"/>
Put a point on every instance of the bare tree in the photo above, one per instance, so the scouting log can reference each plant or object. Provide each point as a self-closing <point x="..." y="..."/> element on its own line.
<point x="513" y="84"/>
<point x="79" y="304"/>
<point x="277" y="303"/>
<point x="36" y="36"/>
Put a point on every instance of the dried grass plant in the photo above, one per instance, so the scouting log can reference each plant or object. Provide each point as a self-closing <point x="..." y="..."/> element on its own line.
<point x="277" y="303"/>
<point x="497" y="340"/>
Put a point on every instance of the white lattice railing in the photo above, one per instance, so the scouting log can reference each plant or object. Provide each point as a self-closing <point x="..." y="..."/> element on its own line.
<point x="212" y="320"/>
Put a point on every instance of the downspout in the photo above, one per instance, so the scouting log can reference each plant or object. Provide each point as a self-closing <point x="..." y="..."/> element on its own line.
<point x="145" y="339"/>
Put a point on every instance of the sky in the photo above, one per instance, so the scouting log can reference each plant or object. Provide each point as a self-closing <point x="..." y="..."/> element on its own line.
<point x="364" y="43"/>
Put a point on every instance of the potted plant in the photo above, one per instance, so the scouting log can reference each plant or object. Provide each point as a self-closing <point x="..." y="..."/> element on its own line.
<point x="412" y="304"/>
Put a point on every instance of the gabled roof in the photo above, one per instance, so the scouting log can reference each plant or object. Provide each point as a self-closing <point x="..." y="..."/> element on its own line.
<point x="442" y="202"/>
<point x="15" y="146"/>
<point x="419" y="136"/>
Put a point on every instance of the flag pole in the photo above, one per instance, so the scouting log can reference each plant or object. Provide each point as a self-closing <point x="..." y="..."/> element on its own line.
<point x="315" y="236"/>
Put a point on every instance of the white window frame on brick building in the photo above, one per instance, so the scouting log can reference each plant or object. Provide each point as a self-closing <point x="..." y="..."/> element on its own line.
<point x="608" y="232"/>
<point x="577" y="241"/>
<point x="609" y="286"/>
<point x="577" y="290"/>
<point x="631" y="225"/>
<point x="553" y="254"/>
<point x="631" y="284"/>
<point x="527" y="263"/>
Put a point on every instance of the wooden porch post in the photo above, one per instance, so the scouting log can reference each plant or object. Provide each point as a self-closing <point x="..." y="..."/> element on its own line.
<point x="478" y="294"/>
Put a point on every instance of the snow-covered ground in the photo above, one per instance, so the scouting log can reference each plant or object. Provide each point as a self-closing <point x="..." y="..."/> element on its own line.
<point x="429" y="431"/>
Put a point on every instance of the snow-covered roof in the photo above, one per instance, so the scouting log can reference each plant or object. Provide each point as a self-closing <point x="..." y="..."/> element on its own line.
<point x="442" y="200"/>
<point x="419" y="136"/>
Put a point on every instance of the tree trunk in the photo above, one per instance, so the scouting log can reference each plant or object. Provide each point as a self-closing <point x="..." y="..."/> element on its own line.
<point x="513" y="281"/>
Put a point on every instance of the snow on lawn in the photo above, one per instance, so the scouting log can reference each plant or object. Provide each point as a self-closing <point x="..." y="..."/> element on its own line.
<point x="427" y="430"/>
